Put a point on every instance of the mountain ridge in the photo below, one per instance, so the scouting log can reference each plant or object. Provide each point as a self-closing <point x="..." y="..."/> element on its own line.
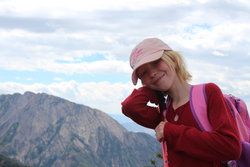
<point x="45" y="130"/>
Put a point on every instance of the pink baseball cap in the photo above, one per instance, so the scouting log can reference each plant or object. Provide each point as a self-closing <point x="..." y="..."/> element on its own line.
<point x="148" y="50"/>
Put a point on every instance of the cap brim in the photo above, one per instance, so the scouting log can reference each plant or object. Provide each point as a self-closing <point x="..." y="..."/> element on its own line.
<point x="147" y="59"/>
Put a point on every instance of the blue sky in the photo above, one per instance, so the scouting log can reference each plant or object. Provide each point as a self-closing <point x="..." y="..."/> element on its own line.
<point x="79" y="50"/>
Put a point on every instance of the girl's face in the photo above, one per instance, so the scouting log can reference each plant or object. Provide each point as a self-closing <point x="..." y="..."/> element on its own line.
<point x="156" y="75"/>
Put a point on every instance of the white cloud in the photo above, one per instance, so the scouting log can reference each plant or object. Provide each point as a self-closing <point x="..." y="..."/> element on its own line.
<point x="96" y="67"/>
<point x="27" y="55"/>
<point x="217" y="53"/>
<point x="231" y="80"/>
<point x="224" y="36"/>
<point x="104" y="96"/>
<point x="58" y="79"/>
<point x="66" y="8"/>
<point x="40" y="35"/>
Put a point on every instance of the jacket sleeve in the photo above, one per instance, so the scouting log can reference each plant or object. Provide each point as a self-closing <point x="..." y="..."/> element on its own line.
<point x="222" y="144"/>
<point x="135" y="107"/>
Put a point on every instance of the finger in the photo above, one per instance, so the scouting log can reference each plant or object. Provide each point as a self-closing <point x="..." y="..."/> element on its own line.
<point x="159" y="139"/>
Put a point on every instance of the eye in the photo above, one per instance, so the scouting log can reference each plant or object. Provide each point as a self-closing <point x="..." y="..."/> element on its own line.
<point x="141" y="74"/>
<point x="156" y="62"/>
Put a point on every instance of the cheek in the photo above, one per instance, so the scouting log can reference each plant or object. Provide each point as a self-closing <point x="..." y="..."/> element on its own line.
<point x="144" y="82"/>
<point x="170" y="72"/>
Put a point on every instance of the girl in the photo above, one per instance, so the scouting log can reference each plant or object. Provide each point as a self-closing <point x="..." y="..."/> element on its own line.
<point x="163" y="72"/>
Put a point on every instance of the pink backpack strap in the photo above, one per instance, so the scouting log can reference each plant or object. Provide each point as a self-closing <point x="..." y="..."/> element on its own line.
<point x="198" y="104"/>
<point x="164" y="142"/>
<point x="241" y="117"/>
<point x="164" y="153"/>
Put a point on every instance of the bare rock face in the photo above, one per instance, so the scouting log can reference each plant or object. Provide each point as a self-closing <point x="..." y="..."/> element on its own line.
<point x="47" y="131"/>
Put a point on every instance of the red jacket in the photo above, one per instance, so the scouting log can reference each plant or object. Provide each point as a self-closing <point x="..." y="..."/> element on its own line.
<point x="188" y="146"/>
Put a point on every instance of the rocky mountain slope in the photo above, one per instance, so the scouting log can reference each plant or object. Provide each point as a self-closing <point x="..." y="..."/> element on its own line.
<point x="47" y="131"/>
<point x="7" y="162"/>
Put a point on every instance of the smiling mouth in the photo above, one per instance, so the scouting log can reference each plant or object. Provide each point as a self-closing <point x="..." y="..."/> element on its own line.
<point x="158" y="79"/>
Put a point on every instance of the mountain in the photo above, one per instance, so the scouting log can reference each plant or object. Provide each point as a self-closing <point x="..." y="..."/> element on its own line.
<point x="7" y="162"/>
<point x="132" y="126"/>
<point x="42" y="130"/>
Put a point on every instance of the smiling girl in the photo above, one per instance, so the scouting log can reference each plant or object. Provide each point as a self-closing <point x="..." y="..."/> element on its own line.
<point x="163" y="74"/>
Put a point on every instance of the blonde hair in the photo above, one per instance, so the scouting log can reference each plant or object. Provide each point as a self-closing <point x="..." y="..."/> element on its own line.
<point x="174" y="60"/>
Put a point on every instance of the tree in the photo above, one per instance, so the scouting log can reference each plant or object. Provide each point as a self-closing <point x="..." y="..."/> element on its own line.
<point x="153" y="161"/>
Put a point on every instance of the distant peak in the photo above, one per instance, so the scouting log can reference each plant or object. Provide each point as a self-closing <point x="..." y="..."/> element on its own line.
<point x="29" y="93"/>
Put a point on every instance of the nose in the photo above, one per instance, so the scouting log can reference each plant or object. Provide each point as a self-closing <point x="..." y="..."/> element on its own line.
<point x="152" y="73"/>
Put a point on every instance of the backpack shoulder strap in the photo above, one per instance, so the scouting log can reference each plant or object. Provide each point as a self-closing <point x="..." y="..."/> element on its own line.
<point x="240" y="115"/>
<point x="198" y="104"/>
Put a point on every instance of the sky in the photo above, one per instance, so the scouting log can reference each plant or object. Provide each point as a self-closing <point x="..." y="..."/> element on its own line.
<point x="79" y="50"/>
